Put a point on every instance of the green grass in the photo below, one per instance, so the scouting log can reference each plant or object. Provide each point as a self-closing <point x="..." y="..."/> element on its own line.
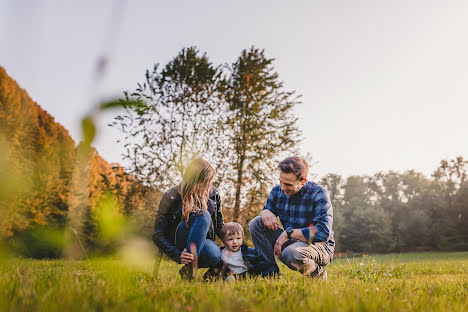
<point x="408" y="282"/>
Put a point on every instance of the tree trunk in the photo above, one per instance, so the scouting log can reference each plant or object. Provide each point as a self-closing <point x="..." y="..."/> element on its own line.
<point x="240" y="174"/>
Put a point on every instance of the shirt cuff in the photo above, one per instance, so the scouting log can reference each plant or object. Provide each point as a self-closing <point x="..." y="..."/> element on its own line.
<point x="307" y="232"/>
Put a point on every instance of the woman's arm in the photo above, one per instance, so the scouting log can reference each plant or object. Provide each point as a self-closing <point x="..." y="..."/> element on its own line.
<point x="163" y="219"/>
<point x="219" y="213"/>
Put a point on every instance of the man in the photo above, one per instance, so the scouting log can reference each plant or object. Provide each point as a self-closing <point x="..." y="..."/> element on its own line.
<point x="304" y="208"/>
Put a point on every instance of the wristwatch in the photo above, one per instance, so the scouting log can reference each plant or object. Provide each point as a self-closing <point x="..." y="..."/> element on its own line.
<point x="289" y="232"/>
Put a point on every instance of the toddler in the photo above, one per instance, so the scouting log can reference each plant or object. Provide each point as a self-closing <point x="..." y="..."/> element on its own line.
<point x="238" y="258"/>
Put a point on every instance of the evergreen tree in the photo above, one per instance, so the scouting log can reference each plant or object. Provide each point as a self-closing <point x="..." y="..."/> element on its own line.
<point x="261" y="127"/>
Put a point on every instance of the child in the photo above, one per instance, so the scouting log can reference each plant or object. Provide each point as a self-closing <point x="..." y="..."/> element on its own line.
<point x="238" y="259"/>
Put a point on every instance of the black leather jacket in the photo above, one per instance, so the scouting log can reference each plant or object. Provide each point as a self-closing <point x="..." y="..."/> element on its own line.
<point x="169" y="216"/>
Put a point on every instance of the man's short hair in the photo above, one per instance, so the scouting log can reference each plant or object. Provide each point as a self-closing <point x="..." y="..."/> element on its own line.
<point x="296" y="165"/>
<point x="231" y="228"/>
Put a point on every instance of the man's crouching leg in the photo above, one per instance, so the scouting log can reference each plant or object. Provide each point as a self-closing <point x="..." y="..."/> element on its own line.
<point x="309" y="260"/>
<point x="264" y="241"/>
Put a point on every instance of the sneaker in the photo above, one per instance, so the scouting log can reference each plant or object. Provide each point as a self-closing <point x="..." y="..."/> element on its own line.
<point x="322" y="273"/>
<point x="186" y="272"/>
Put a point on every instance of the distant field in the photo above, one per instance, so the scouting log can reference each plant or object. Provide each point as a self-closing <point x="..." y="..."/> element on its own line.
<point x="408" y="282"/>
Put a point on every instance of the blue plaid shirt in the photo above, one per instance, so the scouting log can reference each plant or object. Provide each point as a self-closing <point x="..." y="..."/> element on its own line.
<point x="310" y="206"/>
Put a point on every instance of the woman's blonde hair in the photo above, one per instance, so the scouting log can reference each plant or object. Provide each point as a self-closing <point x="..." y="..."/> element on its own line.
<point x="195" y="187"/>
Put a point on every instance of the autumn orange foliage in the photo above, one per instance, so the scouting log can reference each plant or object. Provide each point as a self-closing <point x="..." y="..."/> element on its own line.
<point x="39" y="164"/>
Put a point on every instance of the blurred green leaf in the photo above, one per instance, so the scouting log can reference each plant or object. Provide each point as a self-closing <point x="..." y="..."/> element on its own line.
<point x="111" y="222"/>
<point x="120" y="103"/>
<point x="89" y="130"/>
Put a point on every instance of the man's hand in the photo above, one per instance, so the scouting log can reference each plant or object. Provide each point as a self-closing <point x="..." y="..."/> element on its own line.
<point x="269" y="220"/>
<point x="186" y="257"/>
<point x="283" y="238"/>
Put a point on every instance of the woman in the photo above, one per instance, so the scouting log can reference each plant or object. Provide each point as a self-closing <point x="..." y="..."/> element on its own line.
<point x="188" y="218"/>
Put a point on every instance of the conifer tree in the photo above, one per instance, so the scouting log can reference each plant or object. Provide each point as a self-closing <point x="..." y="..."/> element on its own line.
<point x="261" y="127"/>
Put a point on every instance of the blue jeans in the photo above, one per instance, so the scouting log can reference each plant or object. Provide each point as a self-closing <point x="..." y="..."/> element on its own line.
<point x="194" y="232"/>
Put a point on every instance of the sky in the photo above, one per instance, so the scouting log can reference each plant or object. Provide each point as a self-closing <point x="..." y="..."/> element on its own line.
<point x="383" y="83"/>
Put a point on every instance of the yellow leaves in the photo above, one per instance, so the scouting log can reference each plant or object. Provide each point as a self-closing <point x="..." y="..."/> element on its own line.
<point x="39" y="218"/>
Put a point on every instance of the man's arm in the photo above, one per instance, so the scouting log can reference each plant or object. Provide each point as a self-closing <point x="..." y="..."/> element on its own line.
<point x="297" y="234"/>
<point x="269" y="219"/>
<point x="321" y="227"/>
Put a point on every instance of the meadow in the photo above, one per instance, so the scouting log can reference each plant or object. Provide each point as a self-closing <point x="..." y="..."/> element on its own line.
<point x="394" y="282"/>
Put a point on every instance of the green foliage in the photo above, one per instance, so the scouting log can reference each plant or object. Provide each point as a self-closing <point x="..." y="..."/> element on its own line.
<point x="425" y="282"/>
<point x="111" y="222"/>
<point x="39" y="242"/>
<point x="401" y="211"/>
<point x="365" y="226"/>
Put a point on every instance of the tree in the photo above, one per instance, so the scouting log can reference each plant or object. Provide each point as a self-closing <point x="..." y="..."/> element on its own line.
<point x="261" y="126"/>
<point x="180" y="120"/>
<point x="367" y="227"/>
<point x="451" y="179"/>
<point x="51" y="189"/>
<point x="334" y="184"/>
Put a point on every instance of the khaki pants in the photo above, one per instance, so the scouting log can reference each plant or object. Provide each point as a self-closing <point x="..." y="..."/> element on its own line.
<point x="309" y="259"/>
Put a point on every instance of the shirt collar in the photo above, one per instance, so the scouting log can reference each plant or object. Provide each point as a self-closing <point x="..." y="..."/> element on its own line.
<point x="303" y="189"/>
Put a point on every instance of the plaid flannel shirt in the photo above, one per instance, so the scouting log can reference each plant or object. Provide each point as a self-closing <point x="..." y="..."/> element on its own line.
<point x="309" y="207"/>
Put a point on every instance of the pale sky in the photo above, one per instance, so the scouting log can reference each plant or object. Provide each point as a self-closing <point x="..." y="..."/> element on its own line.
<point x="384" y="83"/>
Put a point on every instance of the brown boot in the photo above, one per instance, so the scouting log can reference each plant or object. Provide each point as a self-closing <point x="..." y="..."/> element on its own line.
<point x="322" y="273"/>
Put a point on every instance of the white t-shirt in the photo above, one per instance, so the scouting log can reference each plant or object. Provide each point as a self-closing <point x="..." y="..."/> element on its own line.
<point x="234" y="261"/>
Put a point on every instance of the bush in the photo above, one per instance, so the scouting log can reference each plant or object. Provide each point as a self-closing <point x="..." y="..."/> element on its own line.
<point x="39" y="242"/>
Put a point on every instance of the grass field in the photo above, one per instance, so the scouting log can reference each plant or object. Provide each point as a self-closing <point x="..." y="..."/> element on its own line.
<point x="408" y="282"/>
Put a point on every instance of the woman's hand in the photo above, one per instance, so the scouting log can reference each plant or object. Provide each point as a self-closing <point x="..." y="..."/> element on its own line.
<point x="186" y="257"/>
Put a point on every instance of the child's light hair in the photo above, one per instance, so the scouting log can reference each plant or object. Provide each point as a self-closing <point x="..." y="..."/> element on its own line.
<point x="231" y="228"/>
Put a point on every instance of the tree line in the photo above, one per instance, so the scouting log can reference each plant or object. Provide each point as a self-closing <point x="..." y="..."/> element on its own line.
<point x="389" y="212"/>
<point x="47" y="190"/>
